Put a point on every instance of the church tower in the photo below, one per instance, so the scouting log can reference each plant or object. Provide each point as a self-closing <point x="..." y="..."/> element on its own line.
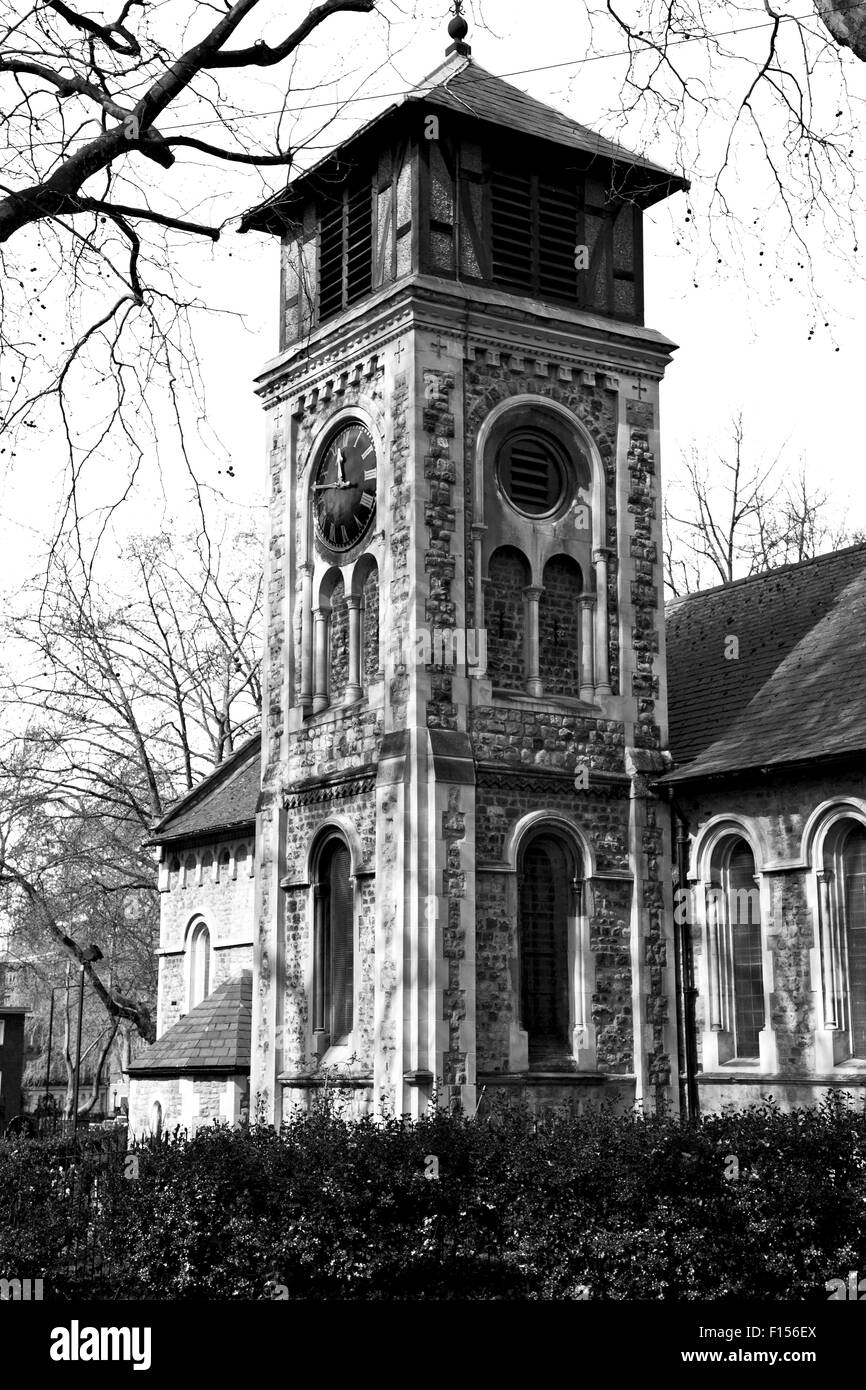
<point x="462" y="883"/>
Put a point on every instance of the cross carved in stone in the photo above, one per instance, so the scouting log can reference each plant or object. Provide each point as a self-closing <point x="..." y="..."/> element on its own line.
<point x="639" y="389"/>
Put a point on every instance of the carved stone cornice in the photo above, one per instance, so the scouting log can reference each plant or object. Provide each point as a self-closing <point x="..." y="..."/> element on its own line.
<point x="554" y="782"/>
<point x="322" y="792"/>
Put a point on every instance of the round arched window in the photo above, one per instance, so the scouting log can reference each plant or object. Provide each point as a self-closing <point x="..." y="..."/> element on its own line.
<point x="532" y="472"/>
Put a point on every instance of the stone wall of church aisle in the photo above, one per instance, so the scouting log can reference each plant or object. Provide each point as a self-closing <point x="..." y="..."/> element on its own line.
<point x="187" y="1102"/>
<point x="214" y="883"/>
<point x="772" y="812"/>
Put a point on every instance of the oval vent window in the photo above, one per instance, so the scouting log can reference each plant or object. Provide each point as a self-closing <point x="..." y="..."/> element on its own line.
<point x="532" y="473"/>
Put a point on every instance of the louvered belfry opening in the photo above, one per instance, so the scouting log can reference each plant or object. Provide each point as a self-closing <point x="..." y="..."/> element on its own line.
<point x="535" y="232"/>
<point x="345" y="245"/>
<point x="545" y="893"/>
<point x="565" y="237"/>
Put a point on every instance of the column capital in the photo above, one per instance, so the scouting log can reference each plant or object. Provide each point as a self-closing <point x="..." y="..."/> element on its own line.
<point x="588" y="600"/>
<point x="533" y="592"/>
<point x="603" y="553"/>
<point x="477" y="530"/>
<point x="353" y="602"/>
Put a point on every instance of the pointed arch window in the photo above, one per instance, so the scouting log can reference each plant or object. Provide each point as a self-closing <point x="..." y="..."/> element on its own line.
<point x="333" y="946"/>
<point x="551" y="1003"/>
<point x="199" y="964"/>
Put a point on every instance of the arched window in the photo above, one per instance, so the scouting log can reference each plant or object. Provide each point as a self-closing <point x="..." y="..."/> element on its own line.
<point x="338" y="641"/>
<point x="156" y="1119"/>
<point x="844" y="938"/>
<point x="559" y="626"/>
<point x="735" y="949"/>
<point x="548" y="889"/>
<point x="370" y="662"/>
<point x="504" y="617"/>
<point x="199" y="964"/>
<point x="334" y="947"/>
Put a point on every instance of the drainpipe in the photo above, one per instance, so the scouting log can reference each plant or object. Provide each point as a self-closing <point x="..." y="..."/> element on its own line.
<point x="684" y="971"/>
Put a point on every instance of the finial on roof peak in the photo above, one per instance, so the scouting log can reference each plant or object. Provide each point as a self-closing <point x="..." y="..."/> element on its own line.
<point x="457" y="30"/>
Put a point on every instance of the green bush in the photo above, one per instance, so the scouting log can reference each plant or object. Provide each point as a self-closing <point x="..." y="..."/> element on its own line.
<point x="751" y="1203"/>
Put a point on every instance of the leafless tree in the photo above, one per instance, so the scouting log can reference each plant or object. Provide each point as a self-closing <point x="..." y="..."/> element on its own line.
<point x="735" y="516"/>
<point x="759" y="106"/>
<point x="101" y="112"/>
<point x="115" y="704"/>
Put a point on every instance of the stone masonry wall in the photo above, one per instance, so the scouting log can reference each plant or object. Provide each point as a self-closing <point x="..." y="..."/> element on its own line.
<point x="559" y="627"/>
<point x="504" y="618"/>
<point x="494" y="377"/>
<point x="220" y="889"/>
<point x="773" y="813"/>
<point x="602" y="815"/>
<point x="439" y="561"/>
<point x="645" y="586"/>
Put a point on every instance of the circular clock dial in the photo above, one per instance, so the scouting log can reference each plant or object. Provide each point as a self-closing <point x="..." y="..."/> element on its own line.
<point x="344" y="488"/>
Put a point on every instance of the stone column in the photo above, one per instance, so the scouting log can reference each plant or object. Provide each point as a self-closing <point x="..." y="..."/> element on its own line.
<point x="353" y="691"/>
<point x="587" y="677"/>
<point x="306" y="695"/>
<point x="320" y="646"/>
<point x="532" y="594"/>
<point x="602" y="650"/>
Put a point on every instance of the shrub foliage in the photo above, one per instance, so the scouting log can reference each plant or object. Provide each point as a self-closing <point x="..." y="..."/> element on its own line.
<point x="751" y="1203"/>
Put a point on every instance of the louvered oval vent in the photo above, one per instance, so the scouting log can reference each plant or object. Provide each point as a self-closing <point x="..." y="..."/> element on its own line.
<point x="532" y="473"/>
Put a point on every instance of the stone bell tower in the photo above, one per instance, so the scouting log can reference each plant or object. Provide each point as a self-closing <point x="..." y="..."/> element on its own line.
<point x="461" y="878"/>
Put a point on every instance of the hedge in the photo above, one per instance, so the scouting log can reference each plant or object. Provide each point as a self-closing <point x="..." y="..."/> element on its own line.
<point x="754" y="1203"/>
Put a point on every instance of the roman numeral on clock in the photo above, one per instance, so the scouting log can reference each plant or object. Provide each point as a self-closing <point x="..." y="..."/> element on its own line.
<point x="368" y="501"/>
<point x="369" y="475"/>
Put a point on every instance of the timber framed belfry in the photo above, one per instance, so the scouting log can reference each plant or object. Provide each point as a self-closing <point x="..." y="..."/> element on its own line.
<point x="461" y="868"/>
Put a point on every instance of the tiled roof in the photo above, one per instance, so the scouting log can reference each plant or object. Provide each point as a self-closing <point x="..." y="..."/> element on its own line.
<point x="224" y="800"/>
<point x="460" y="85"/>
<point x="214" y="1036"/>
<point x="797" y="690"/>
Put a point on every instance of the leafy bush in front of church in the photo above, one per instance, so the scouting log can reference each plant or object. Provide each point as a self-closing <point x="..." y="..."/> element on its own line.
<point x="751" y="1203"/>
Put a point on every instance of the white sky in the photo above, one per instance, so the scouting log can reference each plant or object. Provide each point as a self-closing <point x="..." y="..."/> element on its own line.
<point x="743" y="330"/>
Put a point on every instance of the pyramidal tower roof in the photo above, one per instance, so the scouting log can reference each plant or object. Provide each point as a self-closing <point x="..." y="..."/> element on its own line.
<point x="460" y="86"/>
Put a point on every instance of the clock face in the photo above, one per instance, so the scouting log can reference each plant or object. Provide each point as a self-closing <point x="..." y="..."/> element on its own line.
<point x="344" y="488"/>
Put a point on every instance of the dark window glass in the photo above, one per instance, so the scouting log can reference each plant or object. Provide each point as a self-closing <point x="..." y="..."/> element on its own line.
<point x="854" y="875"/>
<point x="545" y="889"/>
<point x="744" y="918"/>
<point x="334" y="946"/>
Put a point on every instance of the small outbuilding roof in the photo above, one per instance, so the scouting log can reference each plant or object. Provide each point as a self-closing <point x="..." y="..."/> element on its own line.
<point x="215" y="1036"/>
